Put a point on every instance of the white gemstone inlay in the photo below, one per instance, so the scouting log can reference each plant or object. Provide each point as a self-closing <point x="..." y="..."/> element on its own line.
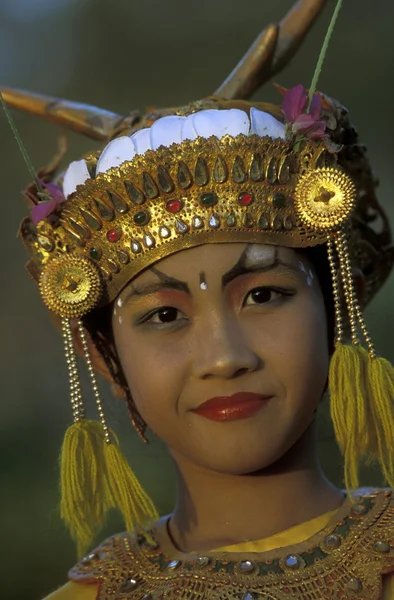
<point x="149" y="241"/>
<point x="292" y="561"/>
<point x="181" y="226"/>
<point x="164" y="232"/>
<point x="246" y="566"/>
<point x="214" y="221"/>
<point x="136" y="247"/>
<point x="198" y="222"/>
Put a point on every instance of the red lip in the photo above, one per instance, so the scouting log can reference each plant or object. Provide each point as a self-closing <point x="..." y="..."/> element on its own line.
<point x="230" y="408"/>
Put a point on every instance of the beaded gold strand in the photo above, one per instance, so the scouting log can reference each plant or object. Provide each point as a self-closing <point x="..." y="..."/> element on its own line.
<point x="336" y="408"/>
<point x="71" y="360"/>
<point x="361" y="384"/>
<point x="380" y="390"/>
<point x="83" y="502"/>
<point x="123" y="490"/>
<point x="93" y="380"/>
<point x="95" y="475"/>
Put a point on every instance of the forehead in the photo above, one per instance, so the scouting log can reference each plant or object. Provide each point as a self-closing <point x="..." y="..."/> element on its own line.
<point x="216" y="259"/>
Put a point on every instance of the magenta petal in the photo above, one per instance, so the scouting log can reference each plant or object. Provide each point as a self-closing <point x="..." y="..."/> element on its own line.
<point x="315" y="107"/>
<point x="42" y="210"/>
<point x="294" y="102"/>
<point x="54" y="191"/>
<point x="303" y="123"/>
<point x="319" y="127"/>
<point x="304" y="119"/>
<point x="316" y="133"/>
<point x="321" y="124"/>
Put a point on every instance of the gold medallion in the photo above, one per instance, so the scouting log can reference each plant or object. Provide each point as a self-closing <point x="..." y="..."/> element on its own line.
<point x="70" y="286"/>
<point x="324" y="199"/>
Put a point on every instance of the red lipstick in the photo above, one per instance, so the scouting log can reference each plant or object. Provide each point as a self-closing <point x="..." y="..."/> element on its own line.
<point x="231" y="408"/>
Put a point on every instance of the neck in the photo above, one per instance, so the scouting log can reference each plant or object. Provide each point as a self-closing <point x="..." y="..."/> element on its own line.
<point x="219" y="509"/>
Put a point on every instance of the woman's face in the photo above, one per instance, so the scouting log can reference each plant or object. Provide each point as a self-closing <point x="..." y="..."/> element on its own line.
<point x="214" y="321"/>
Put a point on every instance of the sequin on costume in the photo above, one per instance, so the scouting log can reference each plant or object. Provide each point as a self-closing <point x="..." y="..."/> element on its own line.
<point x="346" y="559"/>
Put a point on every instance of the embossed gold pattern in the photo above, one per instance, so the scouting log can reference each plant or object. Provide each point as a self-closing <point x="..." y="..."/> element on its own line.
<point x="238" y="189"/>
<point x="324" y="199"/>
<point x="355" y="566"/>
<point x="70" y="286"/>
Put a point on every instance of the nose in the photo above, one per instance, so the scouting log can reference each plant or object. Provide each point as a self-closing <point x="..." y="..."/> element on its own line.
<point x="223" y="350"/>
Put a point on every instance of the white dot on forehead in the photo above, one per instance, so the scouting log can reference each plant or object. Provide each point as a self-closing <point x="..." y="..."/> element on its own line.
<point x="120" y="302"/>
<point x="203" y="283"/>
<point x="258" y="253"/>
<point x="120" y="319"/>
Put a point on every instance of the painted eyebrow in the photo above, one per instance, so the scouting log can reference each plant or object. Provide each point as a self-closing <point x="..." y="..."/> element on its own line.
<point x="240" y="268"/>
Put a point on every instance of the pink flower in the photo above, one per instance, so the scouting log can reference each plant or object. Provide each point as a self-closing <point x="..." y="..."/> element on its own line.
<point x="308" y="124"/>
<point x="52" y="197"/>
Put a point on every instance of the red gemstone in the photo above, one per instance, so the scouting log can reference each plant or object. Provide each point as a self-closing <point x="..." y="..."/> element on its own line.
<point x="113" y="235"/>
<point x="174" y="206"/>
<point x="245" y="198"/>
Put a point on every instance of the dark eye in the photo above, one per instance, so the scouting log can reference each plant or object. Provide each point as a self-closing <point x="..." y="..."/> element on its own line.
<point x="168" y="314"/>
<point x="263" y="295"/>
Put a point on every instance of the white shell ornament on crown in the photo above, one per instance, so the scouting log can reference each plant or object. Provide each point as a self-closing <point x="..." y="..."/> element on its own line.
<point x="174" y="129"/>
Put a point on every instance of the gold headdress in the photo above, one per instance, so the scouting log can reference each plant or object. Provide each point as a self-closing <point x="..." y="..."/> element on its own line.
<point x="262" y="183"/>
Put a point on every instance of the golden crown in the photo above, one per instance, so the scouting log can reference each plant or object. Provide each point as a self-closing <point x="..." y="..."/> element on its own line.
<point x="207" y="190"/>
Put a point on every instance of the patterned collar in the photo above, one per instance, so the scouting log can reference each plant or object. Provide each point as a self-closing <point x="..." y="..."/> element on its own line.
<point x="346" y="559"/>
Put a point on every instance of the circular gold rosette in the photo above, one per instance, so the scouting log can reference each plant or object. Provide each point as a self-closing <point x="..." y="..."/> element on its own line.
<point x="71" y="286"/>
<point x="324" y="199"/>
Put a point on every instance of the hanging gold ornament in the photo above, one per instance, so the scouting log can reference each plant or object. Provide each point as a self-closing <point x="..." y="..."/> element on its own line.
<point x="324" y="198"/>
<point x="70" y="285"/>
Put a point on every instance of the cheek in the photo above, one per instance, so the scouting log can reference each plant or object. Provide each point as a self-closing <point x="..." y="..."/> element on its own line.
<point x="154" y="373"/>
<point x="294" y="347"/>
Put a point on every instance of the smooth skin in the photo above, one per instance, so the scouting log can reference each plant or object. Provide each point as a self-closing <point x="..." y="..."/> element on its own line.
<point x="215" y="320"/>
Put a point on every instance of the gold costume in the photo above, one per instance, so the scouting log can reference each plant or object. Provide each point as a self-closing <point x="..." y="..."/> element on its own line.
<point x="342" y="554"/>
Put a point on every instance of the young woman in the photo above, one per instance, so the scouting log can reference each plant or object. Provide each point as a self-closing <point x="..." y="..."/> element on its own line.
<point x="210" y="262"/>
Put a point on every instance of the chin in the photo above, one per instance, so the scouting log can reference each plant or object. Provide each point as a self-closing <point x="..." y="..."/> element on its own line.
<point x="250" y="453"/>
<point x="247" y="461"/>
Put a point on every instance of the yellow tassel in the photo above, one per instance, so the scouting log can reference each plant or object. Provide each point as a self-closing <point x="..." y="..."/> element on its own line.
<point x="126" y="492"/>
<point x="85" y="497"/>
<point x="350" y="408"/>
<point x="95" y="476"/>
<point x="361" y="385"/>
<point x="381" y="392"/>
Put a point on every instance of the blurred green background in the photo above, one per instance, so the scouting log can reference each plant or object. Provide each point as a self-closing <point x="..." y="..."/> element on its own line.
<point x="123" y="55"/>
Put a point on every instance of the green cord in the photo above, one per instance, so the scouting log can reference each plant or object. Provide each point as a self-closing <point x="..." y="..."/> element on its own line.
<point x="323" y="52"/>
<point x="20" y="144"/>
